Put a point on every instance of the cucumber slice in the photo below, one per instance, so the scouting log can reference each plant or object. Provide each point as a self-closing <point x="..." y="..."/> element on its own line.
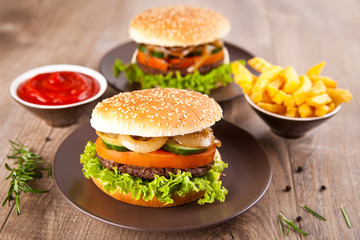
<point x="215" y="50"/>
<point x="199" y="53"/>
<point x="143" y="49"/>
<point x="195" y="54"/>
<point x="157" y="54"/>
<point x="182" y="150"/>
<point x="115" y="147"/>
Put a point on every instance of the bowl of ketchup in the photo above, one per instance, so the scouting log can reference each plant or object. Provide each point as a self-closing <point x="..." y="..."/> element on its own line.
<point x="58" y="94"/>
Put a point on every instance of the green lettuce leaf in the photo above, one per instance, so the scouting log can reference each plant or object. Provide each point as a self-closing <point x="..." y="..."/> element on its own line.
<point x="161" y="187"/>
<point x="203" y="83"/>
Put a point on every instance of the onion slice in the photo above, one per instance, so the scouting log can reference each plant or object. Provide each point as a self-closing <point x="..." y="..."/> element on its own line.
<point x="205" y="55"/>
<point x="202" y="139"/>
<point x="109" y="138"/>
<point x="142" y="146"/>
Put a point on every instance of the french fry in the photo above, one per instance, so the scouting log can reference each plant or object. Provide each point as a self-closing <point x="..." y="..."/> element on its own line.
<point x="339" y="95"/>
<point x="318" y="88"/>
<point x="305" y="87"/>
<point x="291" y="111"/>
<point x="322" y="110"/>
<point x="292" y="81"/>
<point x="260" y="85"/>
<point x="283" y="91"/>
<point x="274" y="108"/>
<point x="259" y="64"/>
<point x="289" y="101"/>
<point x="274" y="86"/>
<point x="243" y="77"/>
<point x="331" y="106"/>
<point x="305" y="110"/>
<point x="319" y="100"/>
<point x="316" y="69"/>
<point x="330" y="83"/>
<point x="266" y="98"/>
<point x="280" y="97"/>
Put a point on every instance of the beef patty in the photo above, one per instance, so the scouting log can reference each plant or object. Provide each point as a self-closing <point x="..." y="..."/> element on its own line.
<point x="149" y="172"/>
<point x="183" y="71"/>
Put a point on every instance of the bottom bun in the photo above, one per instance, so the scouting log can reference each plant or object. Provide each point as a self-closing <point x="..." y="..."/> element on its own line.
<point x="154" y="202"/>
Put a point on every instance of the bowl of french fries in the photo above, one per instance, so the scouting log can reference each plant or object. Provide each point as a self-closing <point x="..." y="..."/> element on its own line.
<point x="289" y="103"/>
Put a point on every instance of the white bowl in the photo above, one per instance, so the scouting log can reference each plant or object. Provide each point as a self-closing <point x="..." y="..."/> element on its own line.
<point x="58" y="115"/>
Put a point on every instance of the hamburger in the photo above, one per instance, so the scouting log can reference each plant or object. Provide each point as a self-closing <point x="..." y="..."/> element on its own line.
<point x="178" y="47"/>
<point x="156" y="148"/>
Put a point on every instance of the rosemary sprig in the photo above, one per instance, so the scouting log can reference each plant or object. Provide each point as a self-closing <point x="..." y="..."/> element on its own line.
<point x="313" y="212"/>
<point x="281" y="225"/>
<point x="291" y="225"/>
<point x="347" y="220"/>
<point x="27" y="168"/>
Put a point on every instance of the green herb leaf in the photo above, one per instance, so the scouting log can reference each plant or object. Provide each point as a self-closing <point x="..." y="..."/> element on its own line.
<point x="313" y="212"/>
<point x="292" y="225"/>
<point x="203" y="83"/>
<point x="347" y="220"/>
<point x="27" y="169"/>
<point x="49" y="171"/>
<point x="281" y="225"/>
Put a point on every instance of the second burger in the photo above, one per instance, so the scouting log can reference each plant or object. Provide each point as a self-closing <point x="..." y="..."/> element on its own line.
<point x="179" y="47"/>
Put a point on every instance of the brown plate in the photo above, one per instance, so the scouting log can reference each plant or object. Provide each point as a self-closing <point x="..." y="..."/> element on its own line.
<point x="125" y="51"/>
<point x="247" y="179"/>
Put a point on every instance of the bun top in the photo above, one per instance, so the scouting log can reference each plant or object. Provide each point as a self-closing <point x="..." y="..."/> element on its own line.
<point x="155" y="112"/>
<point x="178" y="26"/>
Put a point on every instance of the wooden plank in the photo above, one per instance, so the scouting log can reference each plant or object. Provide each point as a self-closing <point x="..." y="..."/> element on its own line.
<point x="16" y="122"/>
<point x="296" y="33"/>
<point x="29" y="41"/>
<point x="306" y="33"/>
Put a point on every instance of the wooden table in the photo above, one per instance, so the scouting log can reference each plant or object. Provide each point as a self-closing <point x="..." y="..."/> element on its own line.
<point x="298" y="33"/>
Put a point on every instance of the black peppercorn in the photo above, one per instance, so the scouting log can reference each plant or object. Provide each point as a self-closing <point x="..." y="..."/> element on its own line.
<point x="322" y="188"/>
<point x="298" y="218"/>
<point x="47" y="139"/>
<point x="299" y="169"/>
<point x="287" y="188"/>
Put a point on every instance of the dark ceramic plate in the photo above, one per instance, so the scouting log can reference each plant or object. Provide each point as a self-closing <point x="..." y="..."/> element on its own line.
<point x="247" y="179"/>
<point x="124" y="52"/>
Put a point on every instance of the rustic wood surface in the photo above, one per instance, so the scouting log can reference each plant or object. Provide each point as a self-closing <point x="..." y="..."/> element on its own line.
<point x="298" y="33"/>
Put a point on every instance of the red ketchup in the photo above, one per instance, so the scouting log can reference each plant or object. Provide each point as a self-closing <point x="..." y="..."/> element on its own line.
<point x="58" y="88"/>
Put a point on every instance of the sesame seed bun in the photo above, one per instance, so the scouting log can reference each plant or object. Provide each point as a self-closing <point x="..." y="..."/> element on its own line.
<point x="178" y="26"/>
<point x="156" y="112"/>
<point x="154" y="202"/>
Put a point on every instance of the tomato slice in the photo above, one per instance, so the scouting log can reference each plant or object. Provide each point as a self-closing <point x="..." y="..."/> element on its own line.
<point x="156" y="159"/>
<point x="190" y="61"/>
<point x="162" y="64"/>
<point x="152" y="62"/>
<point x="183" y="63"/>
<point x="215" y="57"/>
